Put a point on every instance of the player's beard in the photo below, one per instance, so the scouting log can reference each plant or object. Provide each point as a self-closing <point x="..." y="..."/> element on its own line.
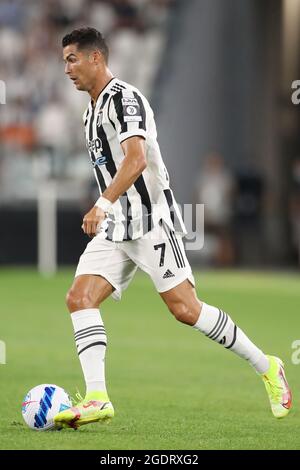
<point x="79" y="85"/>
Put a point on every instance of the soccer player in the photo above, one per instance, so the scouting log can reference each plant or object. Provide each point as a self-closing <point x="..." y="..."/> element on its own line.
<point x="135" y="223"/>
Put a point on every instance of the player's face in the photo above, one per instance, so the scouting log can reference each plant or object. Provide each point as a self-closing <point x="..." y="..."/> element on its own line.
<point x="79" y="67"/>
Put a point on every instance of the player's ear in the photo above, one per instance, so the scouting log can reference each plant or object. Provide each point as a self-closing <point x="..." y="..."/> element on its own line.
<point x="96" y="57"/>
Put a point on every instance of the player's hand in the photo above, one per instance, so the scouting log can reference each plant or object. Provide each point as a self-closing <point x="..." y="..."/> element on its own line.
<point x="92" y="221"/>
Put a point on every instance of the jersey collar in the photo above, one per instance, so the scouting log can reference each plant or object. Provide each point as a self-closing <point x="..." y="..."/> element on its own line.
<point x="100" y="96"/>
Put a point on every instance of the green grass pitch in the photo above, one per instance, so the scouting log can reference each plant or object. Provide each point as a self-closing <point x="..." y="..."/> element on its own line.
<point x="172" y="388"/>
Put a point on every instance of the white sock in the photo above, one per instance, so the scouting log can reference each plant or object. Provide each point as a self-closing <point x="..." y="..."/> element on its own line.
<point x="90" y="338"/>
<point x="218" y="326"/>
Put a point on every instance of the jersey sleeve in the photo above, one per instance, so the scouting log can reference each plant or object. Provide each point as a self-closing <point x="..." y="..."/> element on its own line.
<point x="127" y="114"/>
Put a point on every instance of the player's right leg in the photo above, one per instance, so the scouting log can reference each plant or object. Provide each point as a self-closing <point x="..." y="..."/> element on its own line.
<point x="83" y="300"/>
<point x="103" y="270"/>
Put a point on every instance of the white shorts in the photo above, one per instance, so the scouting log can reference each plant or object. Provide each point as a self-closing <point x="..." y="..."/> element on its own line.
<point x="160" y="253"/>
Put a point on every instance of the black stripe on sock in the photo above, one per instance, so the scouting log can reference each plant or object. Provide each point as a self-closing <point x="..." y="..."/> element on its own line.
<point x="91" y="345"/>
<point x="84" y="330"/>
<point x="90" y="333"/>
<point x="234" y="338"/>
<point x="89" y="330"/>
<point x="221" y="327"/>
<point x="216" y="325"/>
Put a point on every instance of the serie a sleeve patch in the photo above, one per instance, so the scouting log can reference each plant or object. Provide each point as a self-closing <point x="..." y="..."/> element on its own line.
<point x="131" y="110"/>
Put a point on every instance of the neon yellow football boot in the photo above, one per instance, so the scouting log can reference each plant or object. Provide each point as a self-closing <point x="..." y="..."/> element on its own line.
<point x="93" y="408"/>
<point x="278" y="389"/>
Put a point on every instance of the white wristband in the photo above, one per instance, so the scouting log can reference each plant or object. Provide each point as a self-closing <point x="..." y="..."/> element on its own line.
<point x="104" y="204"/>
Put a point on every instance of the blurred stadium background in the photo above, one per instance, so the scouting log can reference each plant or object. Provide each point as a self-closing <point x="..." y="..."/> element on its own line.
<point x="219" y="76"/>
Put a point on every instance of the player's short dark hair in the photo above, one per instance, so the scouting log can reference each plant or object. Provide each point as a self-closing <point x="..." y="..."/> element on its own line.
<point x="87" y="38"/>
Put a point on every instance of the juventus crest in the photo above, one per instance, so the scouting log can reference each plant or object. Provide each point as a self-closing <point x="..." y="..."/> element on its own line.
<point x="99" y="118"/>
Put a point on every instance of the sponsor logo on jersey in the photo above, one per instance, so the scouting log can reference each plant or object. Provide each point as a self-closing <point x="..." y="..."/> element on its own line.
<point x="94" y="146"/>
<point x="130" y="102"/>
<point x="102" y="160"/>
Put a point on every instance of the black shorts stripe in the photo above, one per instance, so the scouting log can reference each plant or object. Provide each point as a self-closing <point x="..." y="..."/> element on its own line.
<point x="177" y="259"/>
<point x="181" y="258"/>
<point x="91" y="345"/>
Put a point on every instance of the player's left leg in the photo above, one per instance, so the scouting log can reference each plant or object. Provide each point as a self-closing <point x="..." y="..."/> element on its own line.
<point x="161" y="254"/>
<point x="217" y="325"/>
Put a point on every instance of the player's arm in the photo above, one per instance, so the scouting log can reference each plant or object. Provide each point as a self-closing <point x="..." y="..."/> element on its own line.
<point x="128" y="172"/>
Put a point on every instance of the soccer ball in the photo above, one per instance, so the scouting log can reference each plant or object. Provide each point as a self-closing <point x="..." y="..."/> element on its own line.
<point x="42" y="403"/>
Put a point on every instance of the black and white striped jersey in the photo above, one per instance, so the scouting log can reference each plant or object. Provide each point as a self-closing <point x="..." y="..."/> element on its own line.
<point x="121" y="112"/>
